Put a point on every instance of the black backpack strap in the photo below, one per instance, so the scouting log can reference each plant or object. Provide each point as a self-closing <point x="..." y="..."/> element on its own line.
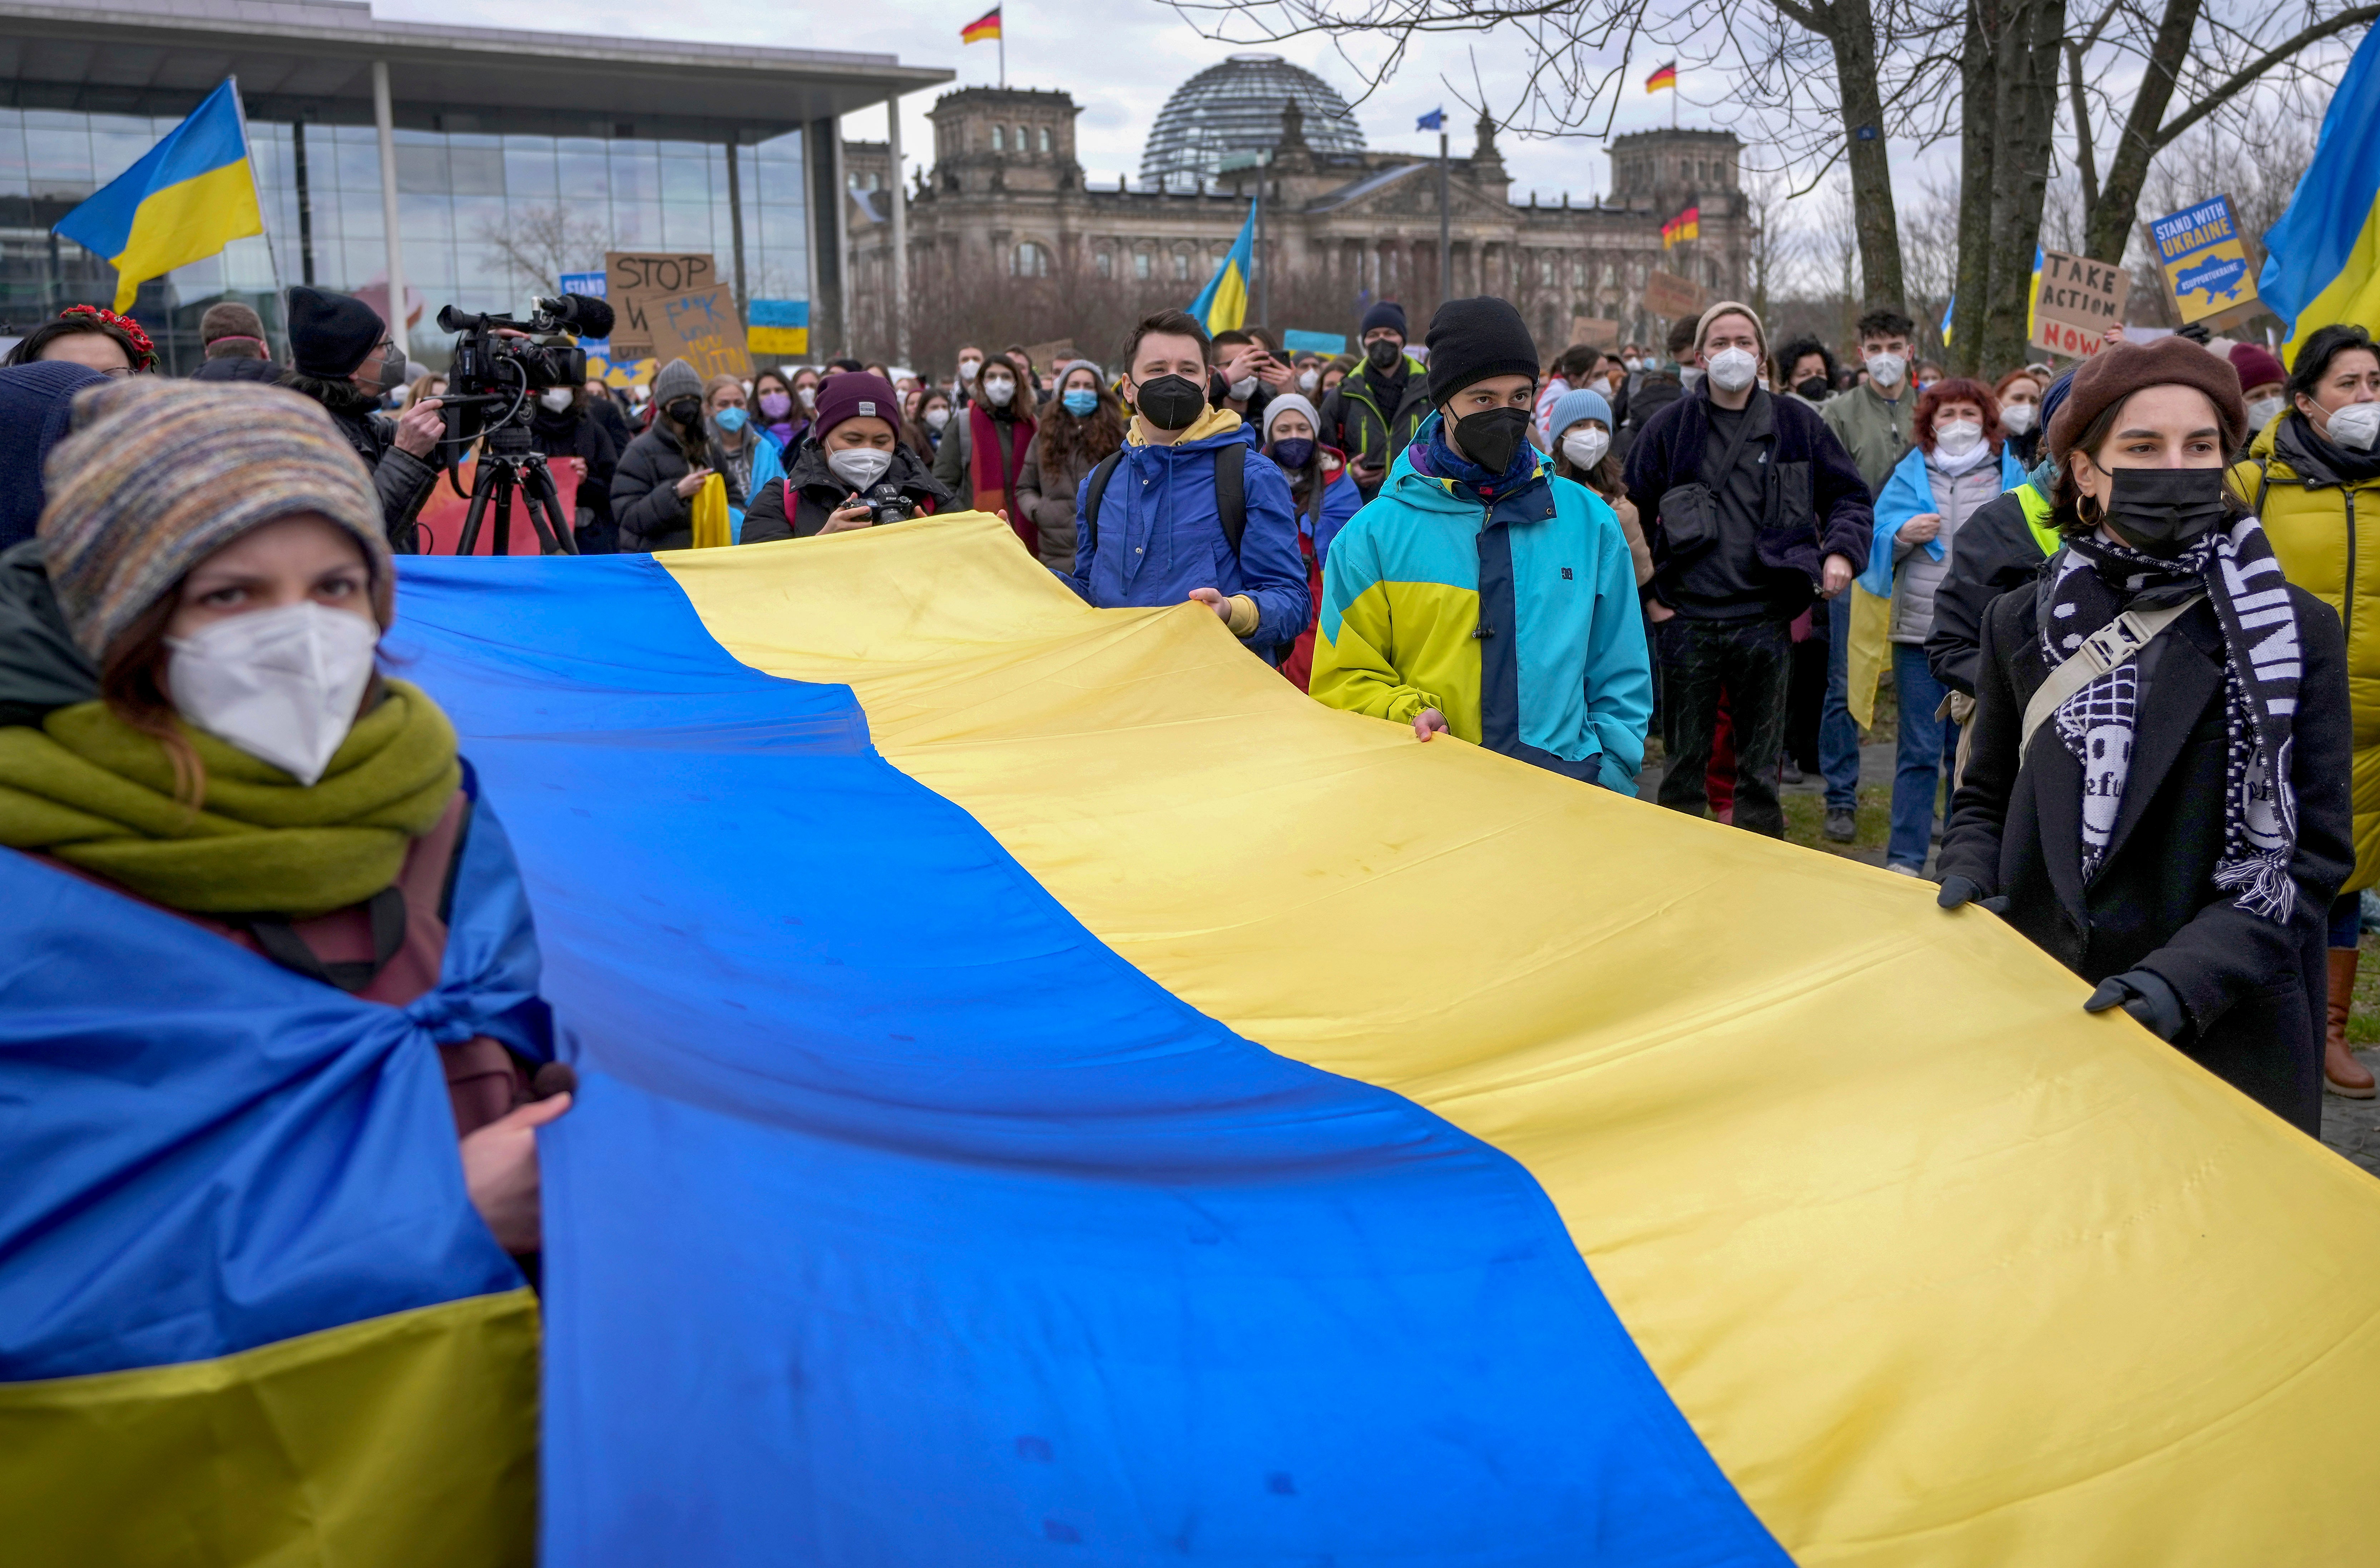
<point x="1231" y="493"/>
<point x="286" y="947"/>
<point x="1100" y="474"/>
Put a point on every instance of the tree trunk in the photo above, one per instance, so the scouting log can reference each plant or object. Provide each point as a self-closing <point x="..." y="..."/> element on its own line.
<point x="2109" y="227"/>
<point x="2029" y="56"/>
<point x="1978" y="84"/>
<point x="1851" y="32"/>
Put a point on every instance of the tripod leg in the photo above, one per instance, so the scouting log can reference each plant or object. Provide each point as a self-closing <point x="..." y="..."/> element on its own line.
<point x="483" y="486"/>
<point x="545" y="511"/>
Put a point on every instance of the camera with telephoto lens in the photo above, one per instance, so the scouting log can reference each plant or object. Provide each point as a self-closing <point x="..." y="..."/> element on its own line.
<point x="498" y="371"/>
<point x="885" y="502"/>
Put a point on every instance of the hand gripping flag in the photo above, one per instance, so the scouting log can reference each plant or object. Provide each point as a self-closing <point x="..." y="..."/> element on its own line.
<point x="184" y="200"/>
<point x="2321" y="260"/>
<point x="1223" y="305"/>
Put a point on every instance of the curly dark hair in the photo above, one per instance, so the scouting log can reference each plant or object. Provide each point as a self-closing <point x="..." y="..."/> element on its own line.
<point x="1065" y="440"/>
<point x="1794" y="350"/>
<point x="2323" y="345"/>
<point x="80" y="318"/>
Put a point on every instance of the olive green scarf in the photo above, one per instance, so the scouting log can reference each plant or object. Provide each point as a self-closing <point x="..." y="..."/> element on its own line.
<point x="99" y="794"/>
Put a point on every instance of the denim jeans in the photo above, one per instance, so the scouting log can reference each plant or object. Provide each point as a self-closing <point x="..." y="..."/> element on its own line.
<point x="1751" y="660"/>
<point x="1928" y="746"/>
<point x="1839" y="736"/>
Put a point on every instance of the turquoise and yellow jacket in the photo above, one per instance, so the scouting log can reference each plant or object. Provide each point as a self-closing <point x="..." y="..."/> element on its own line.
<point x="1517" y="620"/>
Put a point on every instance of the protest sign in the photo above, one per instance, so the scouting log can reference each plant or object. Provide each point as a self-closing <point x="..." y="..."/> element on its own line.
<point x="2204" y="260"/>
<point x="1594" y="332"/>
<point x="1046" y="357"/>
<point x="779" y="327"/>
<point x="1671" y="297"/>
<point x="595" y="285"/>
<point x="635" y="278"/>
<point x="1296" y="342"/>
<point x="2079" y="300"/>
<point x="701" y="328"/>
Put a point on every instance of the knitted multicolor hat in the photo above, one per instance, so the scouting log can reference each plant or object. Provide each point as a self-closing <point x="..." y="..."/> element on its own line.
<point x="160" y="474"/>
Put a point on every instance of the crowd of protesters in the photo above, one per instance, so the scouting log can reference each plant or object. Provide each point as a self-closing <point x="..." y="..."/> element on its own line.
<point x="2118" y="606"/>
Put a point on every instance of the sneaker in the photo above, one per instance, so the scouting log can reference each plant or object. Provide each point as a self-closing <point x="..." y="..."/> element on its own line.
<point x="1899" y="869"/>
<point x="1842" y="826"/>
<point x="1790" y="772"/>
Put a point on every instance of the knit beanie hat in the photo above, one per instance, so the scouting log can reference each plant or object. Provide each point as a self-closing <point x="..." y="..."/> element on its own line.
<point x="2257" y="367"/>
<point x="1290" y="403"/>
<point x="158" y="475"/>
<point x="2115" y="373"/>
<point x="1387" y="314"/>
<point x="854" y="394"/>
<point x="1472" y="339"/>
<point x="331" y="333"/>
<point x="1573" y="407"/>
<point x="677" y="378"/>
<point x="1731" y="308"/>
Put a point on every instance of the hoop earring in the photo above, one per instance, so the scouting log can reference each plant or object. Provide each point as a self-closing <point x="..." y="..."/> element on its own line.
<point x="2084" y="505"/>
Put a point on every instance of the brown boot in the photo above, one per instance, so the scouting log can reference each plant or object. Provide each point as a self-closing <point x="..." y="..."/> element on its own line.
<point x="2342" y="1075"/>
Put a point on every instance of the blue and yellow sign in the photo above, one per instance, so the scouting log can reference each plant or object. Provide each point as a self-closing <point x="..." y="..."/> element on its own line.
<point x="2205" y="265"/>
<point x="779" y="327"/>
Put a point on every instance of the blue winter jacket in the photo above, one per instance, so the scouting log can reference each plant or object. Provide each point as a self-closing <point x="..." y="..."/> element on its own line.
<point x="1341" y="501"/>
<point x="1518" y="620"/>
<point x="1159" y="535"/>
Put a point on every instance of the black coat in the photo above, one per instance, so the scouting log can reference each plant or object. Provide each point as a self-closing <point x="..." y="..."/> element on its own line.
<point x="1992" y="553"/>
<point x="652" y="514"/>
<point x="1814" y="503"/>
<point x="401" y="480"/>
<point x="578" y="434"/>
<point x="1654" y="390"/>
<point x="817" y="492"/>
<point x="2254" y="991"/>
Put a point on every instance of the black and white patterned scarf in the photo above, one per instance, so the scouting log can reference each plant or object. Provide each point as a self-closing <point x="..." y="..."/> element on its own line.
<point x="2093" y="581"/>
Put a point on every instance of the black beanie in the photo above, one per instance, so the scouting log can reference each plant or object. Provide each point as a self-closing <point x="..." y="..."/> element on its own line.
<point x="1387" y="314"/>
<point x="1472" y="339"/>
<point x="329" y="333"/>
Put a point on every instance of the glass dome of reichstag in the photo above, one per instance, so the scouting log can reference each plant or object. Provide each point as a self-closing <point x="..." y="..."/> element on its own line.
<point x="1235" y="107"/>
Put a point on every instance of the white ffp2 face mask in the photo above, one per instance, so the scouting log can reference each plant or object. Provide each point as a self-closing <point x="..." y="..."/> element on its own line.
<point x="1886" y="369"/>
<point x="281" y="684"/>
<point x="997" y="390"/>
<point x="2356" y="425"/>
<point x="2016" y="418"/>
<point x="1584" y="448"/>
<point x="1731" y="370"/>
<point x="1956" y="438"/>
<point x="859" y="467"/>
<point x="2262" y="412"/>
<point x="555" y="398"/>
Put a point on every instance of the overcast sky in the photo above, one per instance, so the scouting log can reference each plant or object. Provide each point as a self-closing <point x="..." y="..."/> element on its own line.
<point x="1120" y="59"/>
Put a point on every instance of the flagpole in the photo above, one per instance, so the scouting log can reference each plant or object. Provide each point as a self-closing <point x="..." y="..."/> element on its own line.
<point x="1445" y="223"/>
<point x="271" y="255"/>
<point x="1002" y="39"/>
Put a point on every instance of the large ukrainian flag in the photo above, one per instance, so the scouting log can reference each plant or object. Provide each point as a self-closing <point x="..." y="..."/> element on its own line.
<point x="1223" y="305"/>
<point x="2321" y="260"/>
<point x="1050" y="1090"/>
<point x="188" y="196"/>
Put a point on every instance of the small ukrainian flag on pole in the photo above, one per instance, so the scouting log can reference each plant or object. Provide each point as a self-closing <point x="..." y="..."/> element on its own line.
<point x="1223" y="305"/>
<point x="188" y="196"/>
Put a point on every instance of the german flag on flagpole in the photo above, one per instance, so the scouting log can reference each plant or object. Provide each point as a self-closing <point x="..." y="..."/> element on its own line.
<point x="983" y="29"/>
<point x="1687" y="224"/>
<point x="1665" y="77"/>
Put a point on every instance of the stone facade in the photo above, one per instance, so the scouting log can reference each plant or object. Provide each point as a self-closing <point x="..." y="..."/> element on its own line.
<point x="1006" y="198"/>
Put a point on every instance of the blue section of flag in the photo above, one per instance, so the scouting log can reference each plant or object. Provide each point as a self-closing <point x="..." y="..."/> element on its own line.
<point x="1434" y="120"/>
<point x="781" y="312"/>
<point x="901" y="1220"/>
<point x="208" y="139"/>
<point x="209" y="1152"/>
<point x="2316" y="237"/>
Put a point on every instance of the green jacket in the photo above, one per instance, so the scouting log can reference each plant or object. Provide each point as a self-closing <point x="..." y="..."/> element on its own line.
<point x="1358" y="419"/>
<point x="1876" y="431"/>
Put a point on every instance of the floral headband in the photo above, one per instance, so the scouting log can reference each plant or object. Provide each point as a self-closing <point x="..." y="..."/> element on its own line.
<point x="144" y="351"/>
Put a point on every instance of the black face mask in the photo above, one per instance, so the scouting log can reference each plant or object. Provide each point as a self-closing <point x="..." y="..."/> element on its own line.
<point x="2162" y="510"/>
<point x="1170" y="402"/>
<point x="686" y="412"/>
<point x="1383" y="354"/>
<point x="1490" y="437"/>
<point x="1812" y="387"/>
<point x="1293" y="451"/>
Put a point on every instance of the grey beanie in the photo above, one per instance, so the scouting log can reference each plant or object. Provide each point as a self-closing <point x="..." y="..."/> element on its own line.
<point x="1290" y="403"/>
<point x="677" y="378"/>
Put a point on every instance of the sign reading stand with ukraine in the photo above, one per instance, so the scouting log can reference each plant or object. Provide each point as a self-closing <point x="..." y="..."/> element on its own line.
<point x="2205" y="263"/>
<point x="187" y="197"/>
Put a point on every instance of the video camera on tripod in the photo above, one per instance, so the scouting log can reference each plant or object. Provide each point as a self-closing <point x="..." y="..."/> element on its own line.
<point x="491" y="388"/>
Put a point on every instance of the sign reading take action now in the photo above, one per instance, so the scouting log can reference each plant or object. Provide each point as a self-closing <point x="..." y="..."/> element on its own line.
<point x="2080" y="300"/>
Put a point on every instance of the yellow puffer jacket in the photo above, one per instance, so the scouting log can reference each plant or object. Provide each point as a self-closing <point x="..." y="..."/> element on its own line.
<point x="2327" y="534"/>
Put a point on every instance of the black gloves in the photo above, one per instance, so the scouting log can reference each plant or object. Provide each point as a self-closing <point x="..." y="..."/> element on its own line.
<point x="2146" y="997"/>
<point x="1958" y="890"/>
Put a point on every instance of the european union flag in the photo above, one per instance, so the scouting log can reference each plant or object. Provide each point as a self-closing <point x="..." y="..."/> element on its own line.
<point x="1434" y="120"/>
<point x="188" y="196"/>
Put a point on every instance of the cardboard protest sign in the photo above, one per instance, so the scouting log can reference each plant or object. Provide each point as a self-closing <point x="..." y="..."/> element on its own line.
<point x="1046" y="357"/>
<point x="2204" y="260"/>
<point x="1594" y="332"/>
<point x="1671" y="297"/>
<point x="701" y="328"/>
<point x="635" y="278"/>
<point x="2079" y="300"/>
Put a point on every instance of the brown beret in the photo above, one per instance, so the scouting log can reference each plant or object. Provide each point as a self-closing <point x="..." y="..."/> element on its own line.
<point x="2115" y="374"/>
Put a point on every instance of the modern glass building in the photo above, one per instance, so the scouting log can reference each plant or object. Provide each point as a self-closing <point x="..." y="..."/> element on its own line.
<point x="517" y="156"/>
